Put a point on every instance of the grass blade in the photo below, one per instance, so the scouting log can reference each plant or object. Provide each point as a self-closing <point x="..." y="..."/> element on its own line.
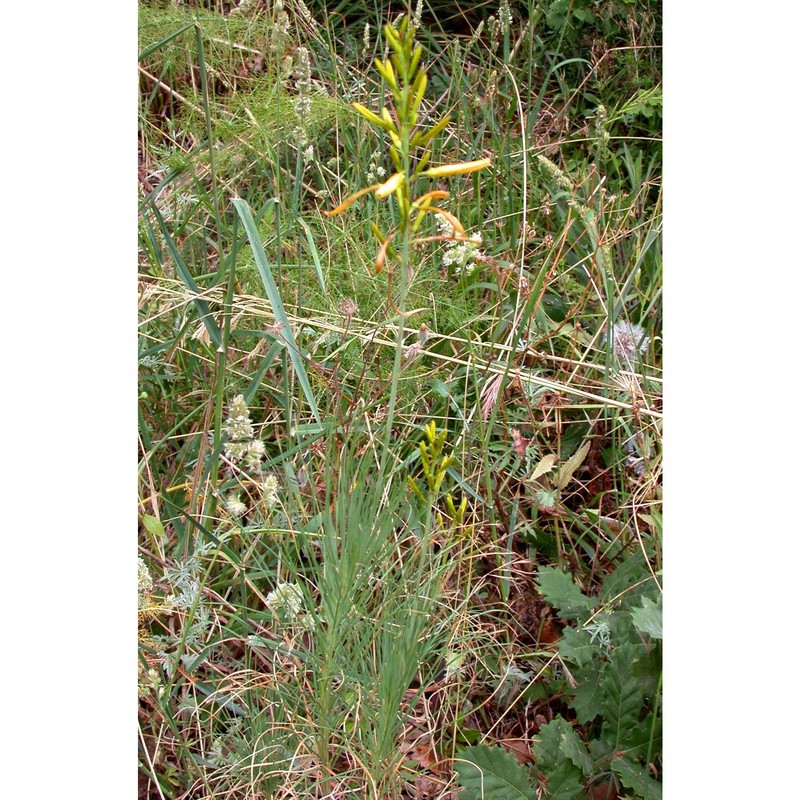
<point x="186" y="276"/>
<point x="314" y="255"/>
<point x="271" y="288"/>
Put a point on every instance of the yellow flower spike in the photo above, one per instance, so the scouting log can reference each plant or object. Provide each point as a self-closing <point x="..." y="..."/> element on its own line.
<point x="350" y="200"/>
<point x="392" y="185"/>
<point x="461" y="168"/>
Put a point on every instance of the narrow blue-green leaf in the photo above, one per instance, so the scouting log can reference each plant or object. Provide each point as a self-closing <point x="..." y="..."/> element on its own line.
<point x="153" y="47"/>
<point x="271" y="288"/>
<point x="251" y="390"/>
<point x="314" y="255"/>
<point x="186" y="276"/>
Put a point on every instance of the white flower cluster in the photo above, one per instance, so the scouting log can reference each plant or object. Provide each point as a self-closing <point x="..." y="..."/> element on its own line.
<point x="416" y="20"/>
<point x="244" y="8"/>
<point x="505" y="19"/>
<point x="281" y="29"/>
<point x="459" y="254"/>
<point x="269" y="491"/>
<point x="375" y="172"/>
<point x="144" y="581"/>
<point x="286" y="602"/>
<point x="235" y="506"/>
<point x="241" y="446"/>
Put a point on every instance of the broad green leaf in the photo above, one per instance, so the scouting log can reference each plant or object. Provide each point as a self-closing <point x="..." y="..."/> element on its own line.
<point x="622" y="700"/>
<point x="637" y="779"/>
<point x="271" y="289"/>
<point x="491" y="773"/>
<point x="556" y="748"/>
<point x="576" y="646"/>
<point x="153" y="526"/>
<point x="647" y="618"/>
<point x="587" y="695"/>
<point x="575" y="460"/>
<point x="572" y="747"/>
<point x="632" y="570"/>
<point x="559" y="589"/>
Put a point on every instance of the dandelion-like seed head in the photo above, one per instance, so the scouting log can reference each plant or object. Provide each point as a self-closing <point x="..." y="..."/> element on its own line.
<point x="628" y="340"/>
<point x="348" y="307"/>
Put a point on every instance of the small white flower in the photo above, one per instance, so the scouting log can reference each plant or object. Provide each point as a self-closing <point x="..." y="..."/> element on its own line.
<point x="269" y="491"/>
<point x="235" y="506"/>
<point x="286" y="602"/>
<point x="238" y="425"/>
<point x="145" y="579"/>
<point x="417" y="18"/>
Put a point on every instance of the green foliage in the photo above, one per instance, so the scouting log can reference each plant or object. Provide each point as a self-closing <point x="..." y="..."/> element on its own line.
<point x="296" y="611"/>
<point x="562" y="758"/>
<point x="647" y="618"/>
<point x="491" y="772"/>
<point x="636" y="779"/>
<point x="560" y="590"/>
<point x="617" y="678"/>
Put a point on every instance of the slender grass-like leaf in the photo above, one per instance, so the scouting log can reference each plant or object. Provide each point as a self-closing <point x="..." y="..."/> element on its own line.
<point x="314" y="254"/>
<point x="186" y="276"/>
<point x="266" y="363"/>
<point x="153" y="47"/>
<point x="271" y="288"/>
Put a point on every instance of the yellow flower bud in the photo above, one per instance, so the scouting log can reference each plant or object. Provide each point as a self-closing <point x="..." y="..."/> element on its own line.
<point x="462" y="168"/>
<point x="391" y="186"/>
